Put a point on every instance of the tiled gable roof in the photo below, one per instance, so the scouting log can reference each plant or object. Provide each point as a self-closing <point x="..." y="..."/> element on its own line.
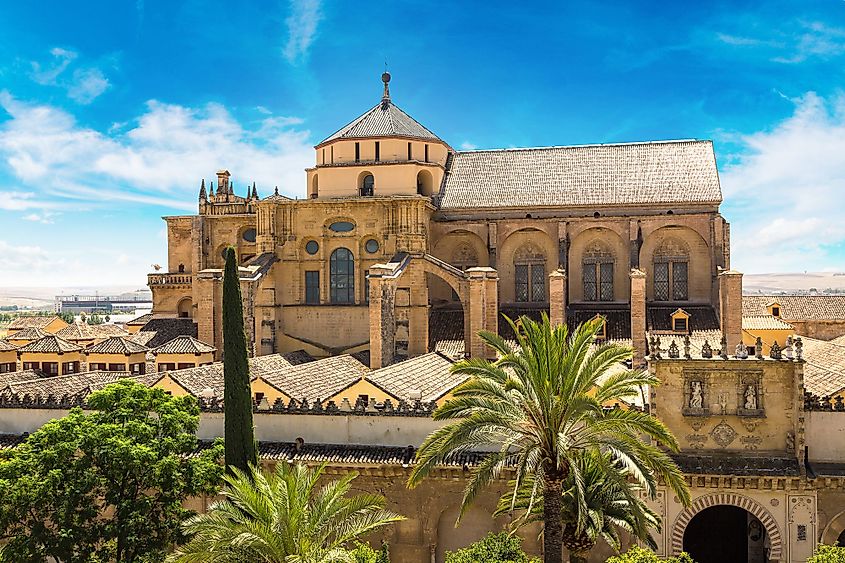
<point x="166" y="329"/>
<point x="385" y="119"/>
<point x="184" y="345"/>
<point x="797" y="307"/>
<point x="84" y="331"/>
<point x="75" y="384"/>
<point x="116" y="345"/>
<point x="50" y="344"/>
<point x="28" y="321"/>
<point x="31" y="333"/>
<point x="824" y="370"/>
<point x="318" y="380"/>
<point x="140" y="321"/>
<point x="427" y="378"/>
<point x="589" y="175"/>
<point x="764" y="322"/>
<point x="25" y="375"/>
<point x="7" y="346"/>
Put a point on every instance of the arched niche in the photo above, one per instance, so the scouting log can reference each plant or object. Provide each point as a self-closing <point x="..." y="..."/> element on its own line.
<point x="425" y="183"/>
<point x="512" y="253"/>
<point x="674" y="243"/>
<point x="592" y="246"/>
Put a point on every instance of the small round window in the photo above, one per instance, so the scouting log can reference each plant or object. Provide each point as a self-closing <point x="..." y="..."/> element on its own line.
<point x="372" y="246"/>
<point x="249" y="235"/>
<point x="342" y="226"/>
<point x="311" y="247"/>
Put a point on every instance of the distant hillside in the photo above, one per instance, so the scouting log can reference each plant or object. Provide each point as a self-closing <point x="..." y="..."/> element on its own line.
<point x="819" y="282"/>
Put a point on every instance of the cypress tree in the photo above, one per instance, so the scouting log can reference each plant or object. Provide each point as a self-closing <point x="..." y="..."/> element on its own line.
<point x="239" y="433"/>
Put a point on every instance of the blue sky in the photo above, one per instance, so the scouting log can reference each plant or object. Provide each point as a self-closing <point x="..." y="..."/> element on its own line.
<point x="111" y="112"/>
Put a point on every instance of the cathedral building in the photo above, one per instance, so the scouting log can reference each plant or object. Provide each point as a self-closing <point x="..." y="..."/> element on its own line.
<point x="404" y="245"/>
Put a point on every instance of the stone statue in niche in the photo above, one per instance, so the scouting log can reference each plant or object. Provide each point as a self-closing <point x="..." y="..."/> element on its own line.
<point x="696" y="399"/>
<point x="750" y="398"/>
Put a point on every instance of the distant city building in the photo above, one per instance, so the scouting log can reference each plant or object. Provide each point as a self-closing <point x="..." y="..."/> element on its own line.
<point x="126" y="302"/>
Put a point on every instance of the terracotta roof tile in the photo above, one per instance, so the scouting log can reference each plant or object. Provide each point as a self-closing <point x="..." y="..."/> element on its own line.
<point x="75" y="384"/>
<point x="764" y="322"/>
<point x="116" y="345"/>
<point x="184" y="345"/>
<point x="166" y="329"/>
<point x="6" y="346"/>
<point x="589" y="175"/>
<point x="824" y="370"/>
<point x="318" y="380"/>
<point x="383" y="120"/>
<point x="427" y="378"/>
<point x="140" y="321"/>
<point x="702" y="317"/>
<point x="50" y="344"/>
<point x="31" y="321"/>
<point x="797" y="307"/>
<point x="31" y="333"/>
<point x="84" y="331"/>
<point x="25" y="375"/>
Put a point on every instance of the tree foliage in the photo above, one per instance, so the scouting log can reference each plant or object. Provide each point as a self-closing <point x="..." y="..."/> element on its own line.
<point x="283" y="517"/>
<point x="612" y="502"/>
<point x="828" y="554"/>
<point x="541" y="405"/>
<point x="239" y="433"/>
<point x="106" y="485"/>
<point x="364" y="553"/>
<point x="493" y="548"/>
<point x="640" y="555"/>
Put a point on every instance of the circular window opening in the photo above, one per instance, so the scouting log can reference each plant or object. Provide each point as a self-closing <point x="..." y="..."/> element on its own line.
<point x="249" y="235"/>
<point x="372" y="246"/>
<point x="311" y="247"/>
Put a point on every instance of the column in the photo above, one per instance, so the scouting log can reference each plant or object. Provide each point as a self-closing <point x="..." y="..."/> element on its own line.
<point x="638" y="336"/>
<point x="557" y="297"/>
<point x="483" y="309"/>
<point x="382" y="316"/>
<point x="730" y="307"/>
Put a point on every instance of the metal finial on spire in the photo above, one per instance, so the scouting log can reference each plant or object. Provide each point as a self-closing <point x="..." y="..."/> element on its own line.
<point x="385" y="77"/>
<point x="276" y="192"/>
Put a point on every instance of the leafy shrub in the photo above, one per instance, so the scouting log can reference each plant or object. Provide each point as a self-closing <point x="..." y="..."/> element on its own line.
<point x="495" y="548"/>
<point x="828" y="554"/>
<point x="640" y="555"/>
<point x="363" y="553"/>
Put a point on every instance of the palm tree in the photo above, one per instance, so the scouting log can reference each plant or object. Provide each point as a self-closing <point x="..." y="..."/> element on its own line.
<point x="283" y="517"/>
<point x="541" y="405"/>
<point x="611" y="500"/>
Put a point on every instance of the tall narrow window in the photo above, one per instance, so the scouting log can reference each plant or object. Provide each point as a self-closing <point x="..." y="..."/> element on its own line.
<point x="378" y="151"/>
<point x="324" y="156"/>
<point x="312" y="287"/>
<point x="597" y="272"/>
<point x="357" y="152"/>
<point x="671" y="271"/>
<point x="529" y="275"/>
<point x="426" y="153"/>
<point x="331" y="153"/>
<point x="410" y="154"/>
<point x="342" y="276"/>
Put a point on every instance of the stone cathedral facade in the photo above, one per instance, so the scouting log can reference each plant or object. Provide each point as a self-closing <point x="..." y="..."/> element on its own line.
<point x="402" y="245"/>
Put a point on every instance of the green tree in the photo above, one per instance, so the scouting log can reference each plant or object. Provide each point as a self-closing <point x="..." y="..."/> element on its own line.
<point x="283" y="517"/>
<point x="493" y="548"/>
<point x="363" y="553"/>
<point x="541" y="404"/>
<point x="95" y="319"/>
<point x="66" y="316"/>
<point x="828" y="554"/>
<point x="640" y="555"/>
<point x="106" y="485"/>
<point x="612" y="502"/>
<point x="239" y="433"/>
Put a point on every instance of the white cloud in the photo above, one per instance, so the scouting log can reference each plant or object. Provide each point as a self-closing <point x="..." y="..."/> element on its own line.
<point x="302" y="28"/>
<point x="83" y="86"/>
<point x="794" y="41"/>
<point x="784" y="191"/>
<point x="467" y="146"/>
<point x="45" y="217"/>
<point x="23" y="258"/>
<point x="87" y="85"/>
<point x="159" y="159"/>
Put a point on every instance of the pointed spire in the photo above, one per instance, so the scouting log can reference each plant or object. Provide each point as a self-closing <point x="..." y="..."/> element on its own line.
<point x="254" y="191"/>
<point x="385" y="98"/>
<point x="203" y="194"/>
<point x="211" y="188"/>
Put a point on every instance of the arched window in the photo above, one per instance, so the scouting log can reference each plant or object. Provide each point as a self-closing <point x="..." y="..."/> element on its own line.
<point x="424" y="183"/>
<point x="368" y="184"/>
<point x="671" y="271"/>
<point x="598" y="272"/>
<point x="342" y="276"/>
<point x="529" y="266"/>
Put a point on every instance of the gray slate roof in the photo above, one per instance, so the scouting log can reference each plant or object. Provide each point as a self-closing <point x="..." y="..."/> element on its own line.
<point x="383" y="120"/>
<point x="663" y="172"/>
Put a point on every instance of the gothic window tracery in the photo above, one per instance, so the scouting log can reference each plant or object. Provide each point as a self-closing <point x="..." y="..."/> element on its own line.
<point x="671" y="271"/>
<point x="530" y="274"/>
<point x="598" y="272"/>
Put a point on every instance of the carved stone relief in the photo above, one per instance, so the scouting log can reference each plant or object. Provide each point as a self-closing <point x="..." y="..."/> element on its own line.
<point x="723" y="434"/>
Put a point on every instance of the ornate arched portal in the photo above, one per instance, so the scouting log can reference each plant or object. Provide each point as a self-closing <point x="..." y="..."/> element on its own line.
<point x="730" y="499"/>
